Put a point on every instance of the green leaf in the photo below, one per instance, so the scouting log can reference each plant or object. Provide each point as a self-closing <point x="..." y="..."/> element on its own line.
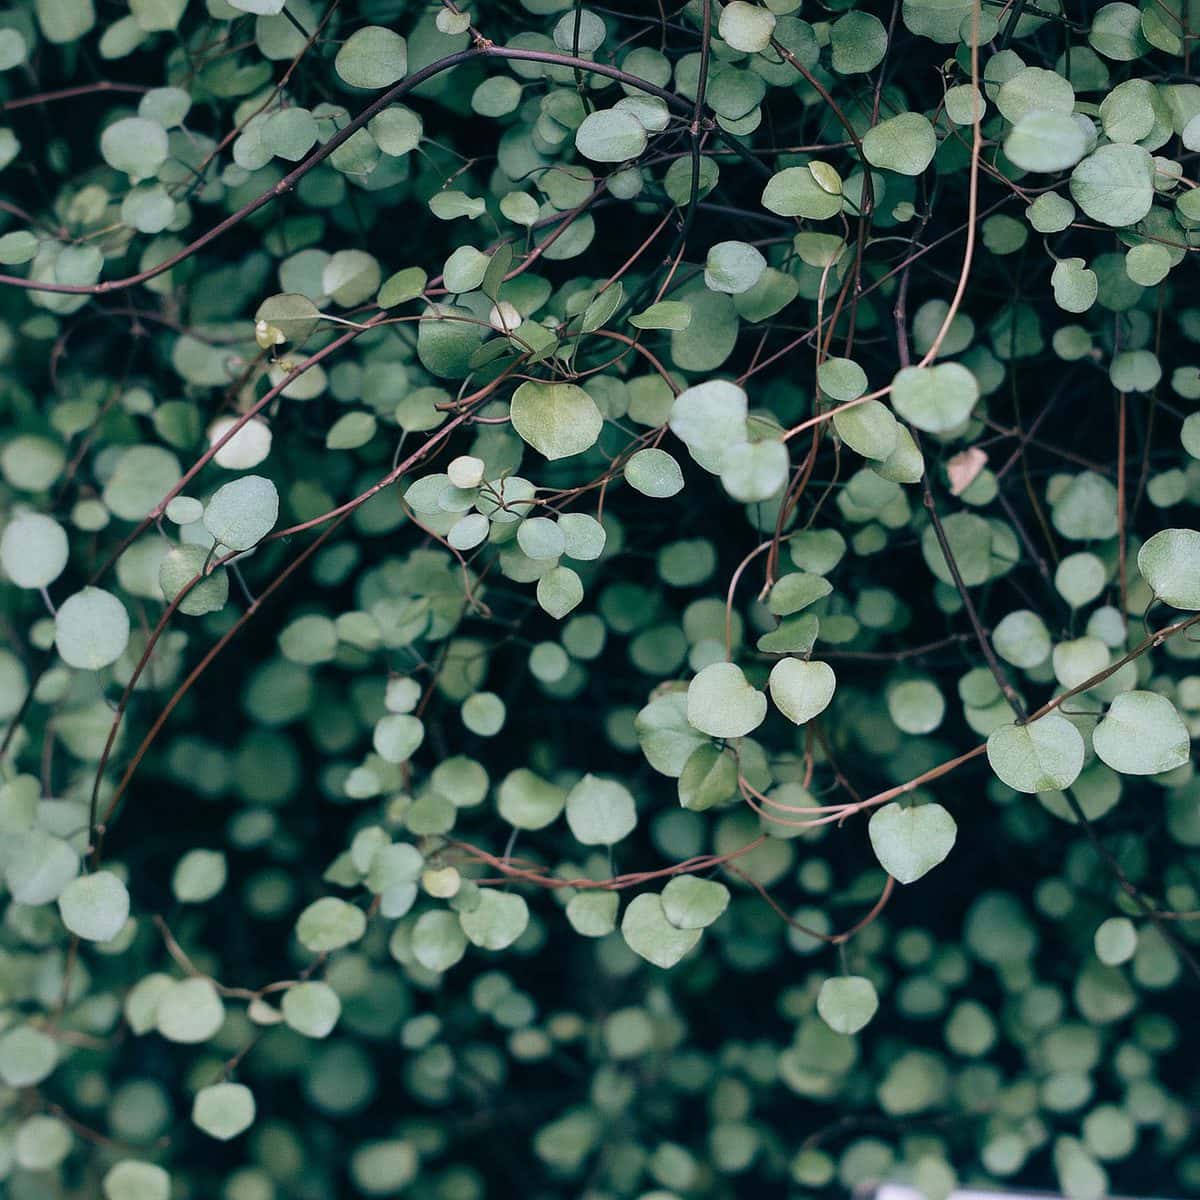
<point x="1079" y="1175"/>
<point x="223" y="1110"/>
<point x="189" y="1011"/>
<point x="143" y="476"/>
<point x="39" y="867"/>
<point x="33" y="550"/>
<point x="91" y="629"/>
<point x="1075" y="287"/>
<point x="133" y="1180"/>
<point x="582" y="36"/>
<point x="94" y="907"/>
<point x="935" y="399"/>
<point x="600" y="812"/>
<point x="293" y="315"/>
<point x="330" y="924"/>
<point x="464" y="269"/>
<point x="610" y="135"/>
<point x="179" y="568"/>
<point x="351" y="431"/>
<point x="497" y="921"/>
<point x="242" y="512"/>
<point x="42" y="1143"/>
<point x="1034" y="89"/>
<point x="1046" y="142"/>
<point x="1116" y="33"/>
<point x="793" y="635"/>
<point x="869" y="429"/>
<point x="910" y="842"/>
<point x="401" y="287"/>
<point x="372" y="57"/>
<point x="709" y="777"/>
<point x="1135" y="371"/>
<point x="916" y="705"/>
<point x="290" y="133"/>
<point x="556" y="419"/>
<point x="692" y="903"/>
<point x="801" y="690"/>
<point x="584" y="537"/>
<point x="199" y="876"/>
<point x="649" y="934"/>
<point x="1116" y="941"/>
<point x="559" y="591"/>
<point x="527" y="801"/>
<point x="803" y="192"/>
<point x="1170" y="563"/>
<point x="311" y="1008"/>
<point x="666" y="314"/>
<point x="842" y="379"/>
<point x="754" y="471"/>
<point x="708" y="419"/>
<point x="1142" y="734"/>
<point x="397" y="130"/>
<point x="746" y="27"/>
<point x="847" y="1003"/>
<point x="27" y="1056"/>
<point x="654" y="473"/>
<point x="593" y="913"/>
<point x="797" y="590"/>
<point x="1044" y="756"/>
<point x="858" y="43"/>
<point x="722" y="703"/>
<point x="733" y="267"/>
<point x="438" y="941"/>
<point x="1115" y="184"/>
<point x="136" y="146"/>
<point x="905" y="144"/>
<point x="451" y="204"/>
<point x="600" y="310"/>
<point x="1022" y="639"/>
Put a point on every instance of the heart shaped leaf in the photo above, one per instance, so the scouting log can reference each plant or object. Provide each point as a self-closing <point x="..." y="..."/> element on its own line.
<point x="910" y="842"/>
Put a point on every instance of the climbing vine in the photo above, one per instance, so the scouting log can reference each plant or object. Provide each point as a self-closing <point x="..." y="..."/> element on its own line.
<point x="598" y="599"/>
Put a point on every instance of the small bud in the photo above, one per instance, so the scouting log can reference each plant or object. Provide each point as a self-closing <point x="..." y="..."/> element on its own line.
<point x="267" y="335"/>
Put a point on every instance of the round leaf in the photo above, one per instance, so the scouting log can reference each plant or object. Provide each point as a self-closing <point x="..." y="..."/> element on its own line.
<point x="610" y="135"/>
<point x="801" y="690"/>
<point x="242" y="512"/>
<point x="935" y="399"/>
<point x="224" y="1110"/>
<point x="1044" y="756"/>
<point x="1170" y="563"/>
<point x="91" y="629"/>
<point x="1115" y="184"/>
<point x="721" y="702"/>
<point x="496" y="921"/>
<point x="847" y="1003"/>
<point x="746" y="27"/>
<point x="556" y="419"/>
<point x="649" y="934"/>
<point x="655" y="473"/>
<point x="600" y="812"/>
<point x="33" y="550"/>
<point x="904" y="144"/>
<point x="910" y="842"/>
<point x="95" y="907"/>
<point x="1142" y="734"/>
<point x="311" y="1008"/>
<point x="373" y="57"/>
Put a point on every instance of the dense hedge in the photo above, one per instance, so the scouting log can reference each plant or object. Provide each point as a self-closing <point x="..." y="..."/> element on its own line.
<point x="600" y="600"/>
